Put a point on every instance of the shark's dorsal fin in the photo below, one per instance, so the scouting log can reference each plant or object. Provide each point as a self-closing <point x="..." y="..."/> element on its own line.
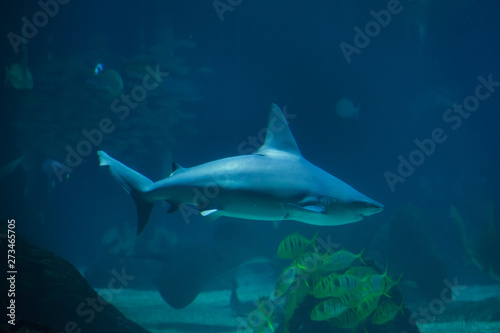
<point x="279" y="138"/>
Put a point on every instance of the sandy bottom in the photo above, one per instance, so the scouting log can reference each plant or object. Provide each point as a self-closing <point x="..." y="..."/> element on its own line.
<point x="461" y="327"/>
<point x="210" y="312"/>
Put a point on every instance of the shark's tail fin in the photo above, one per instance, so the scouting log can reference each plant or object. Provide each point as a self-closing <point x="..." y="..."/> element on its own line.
<point x="134" y="183"/>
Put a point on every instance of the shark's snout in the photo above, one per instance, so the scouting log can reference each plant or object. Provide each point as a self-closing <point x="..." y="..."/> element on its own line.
<point x="367" y="208"/>
<point x="372" y="208"/>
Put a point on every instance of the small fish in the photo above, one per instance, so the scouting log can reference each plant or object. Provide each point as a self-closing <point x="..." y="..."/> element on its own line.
<point x="294" y="245"/>
<point x="310" y="262"/>
<point x="265" y="310"/>
<point x="327" y="286"/>
<point x="340" y="260"/>
<point x="347" y="319"/>
<point x="10" y="167"/>
<point x="19" y="77"/>
<point x="386" y="313"/>
<point x="382" y="283"/>
<point x="291" y="276"/>
<point x="378" y="284"/>
<point x="351" y="283"/>
<point x="367" y="306"/>
<point x="108" y="80"/>
<point x="335" y="285"/>
<point x="98" y="68"/>
<point x="291" y="304"/>
<point x="361" y="271"/>
<point x="352" y="299"/>
<point x="346" y="109"/>
<point x="328" y="309"/>
<point x="293" y="298"/>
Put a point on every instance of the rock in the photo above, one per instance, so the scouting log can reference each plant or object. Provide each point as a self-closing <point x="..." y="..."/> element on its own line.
<point x="50" y="292"/>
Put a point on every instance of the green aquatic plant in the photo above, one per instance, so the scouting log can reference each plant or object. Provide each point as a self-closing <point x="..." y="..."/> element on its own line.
<point x="337" y="290"/>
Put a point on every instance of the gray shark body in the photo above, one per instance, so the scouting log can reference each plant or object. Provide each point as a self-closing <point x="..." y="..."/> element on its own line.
<point x="274" y="183"/>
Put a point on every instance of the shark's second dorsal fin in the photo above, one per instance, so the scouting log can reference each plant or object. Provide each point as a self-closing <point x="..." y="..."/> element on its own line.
<point x="279" y="138"/>
<point x="176" y="166"/>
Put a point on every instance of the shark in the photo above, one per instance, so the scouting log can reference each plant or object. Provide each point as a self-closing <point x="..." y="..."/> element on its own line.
<point x="483" y="249"/>
<point x="274" y="183"/>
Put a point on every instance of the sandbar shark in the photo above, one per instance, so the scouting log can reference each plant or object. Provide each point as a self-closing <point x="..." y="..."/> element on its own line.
<point x="274" y="183"/>
<point x="482" y="248"/>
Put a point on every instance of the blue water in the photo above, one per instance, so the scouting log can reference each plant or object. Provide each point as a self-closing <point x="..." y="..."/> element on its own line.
<point x="405" y="77"/>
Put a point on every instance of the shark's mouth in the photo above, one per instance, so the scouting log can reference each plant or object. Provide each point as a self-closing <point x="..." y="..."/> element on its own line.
<point x="372" y="210"/>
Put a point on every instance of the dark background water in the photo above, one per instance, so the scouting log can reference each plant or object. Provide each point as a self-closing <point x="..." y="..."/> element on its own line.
<point x="427" y="58"/>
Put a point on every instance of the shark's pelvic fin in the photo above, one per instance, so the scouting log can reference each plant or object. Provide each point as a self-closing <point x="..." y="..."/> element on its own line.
<point x="211" y="214"/>
<point x="134" y="183"/>
<point x="279" y="138"/>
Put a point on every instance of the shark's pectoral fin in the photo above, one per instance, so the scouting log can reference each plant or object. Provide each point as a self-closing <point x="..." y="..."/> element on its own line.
<point x="211" y="214"/>
<point x="315" y="208"/>
<point x="294" y="211"/>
